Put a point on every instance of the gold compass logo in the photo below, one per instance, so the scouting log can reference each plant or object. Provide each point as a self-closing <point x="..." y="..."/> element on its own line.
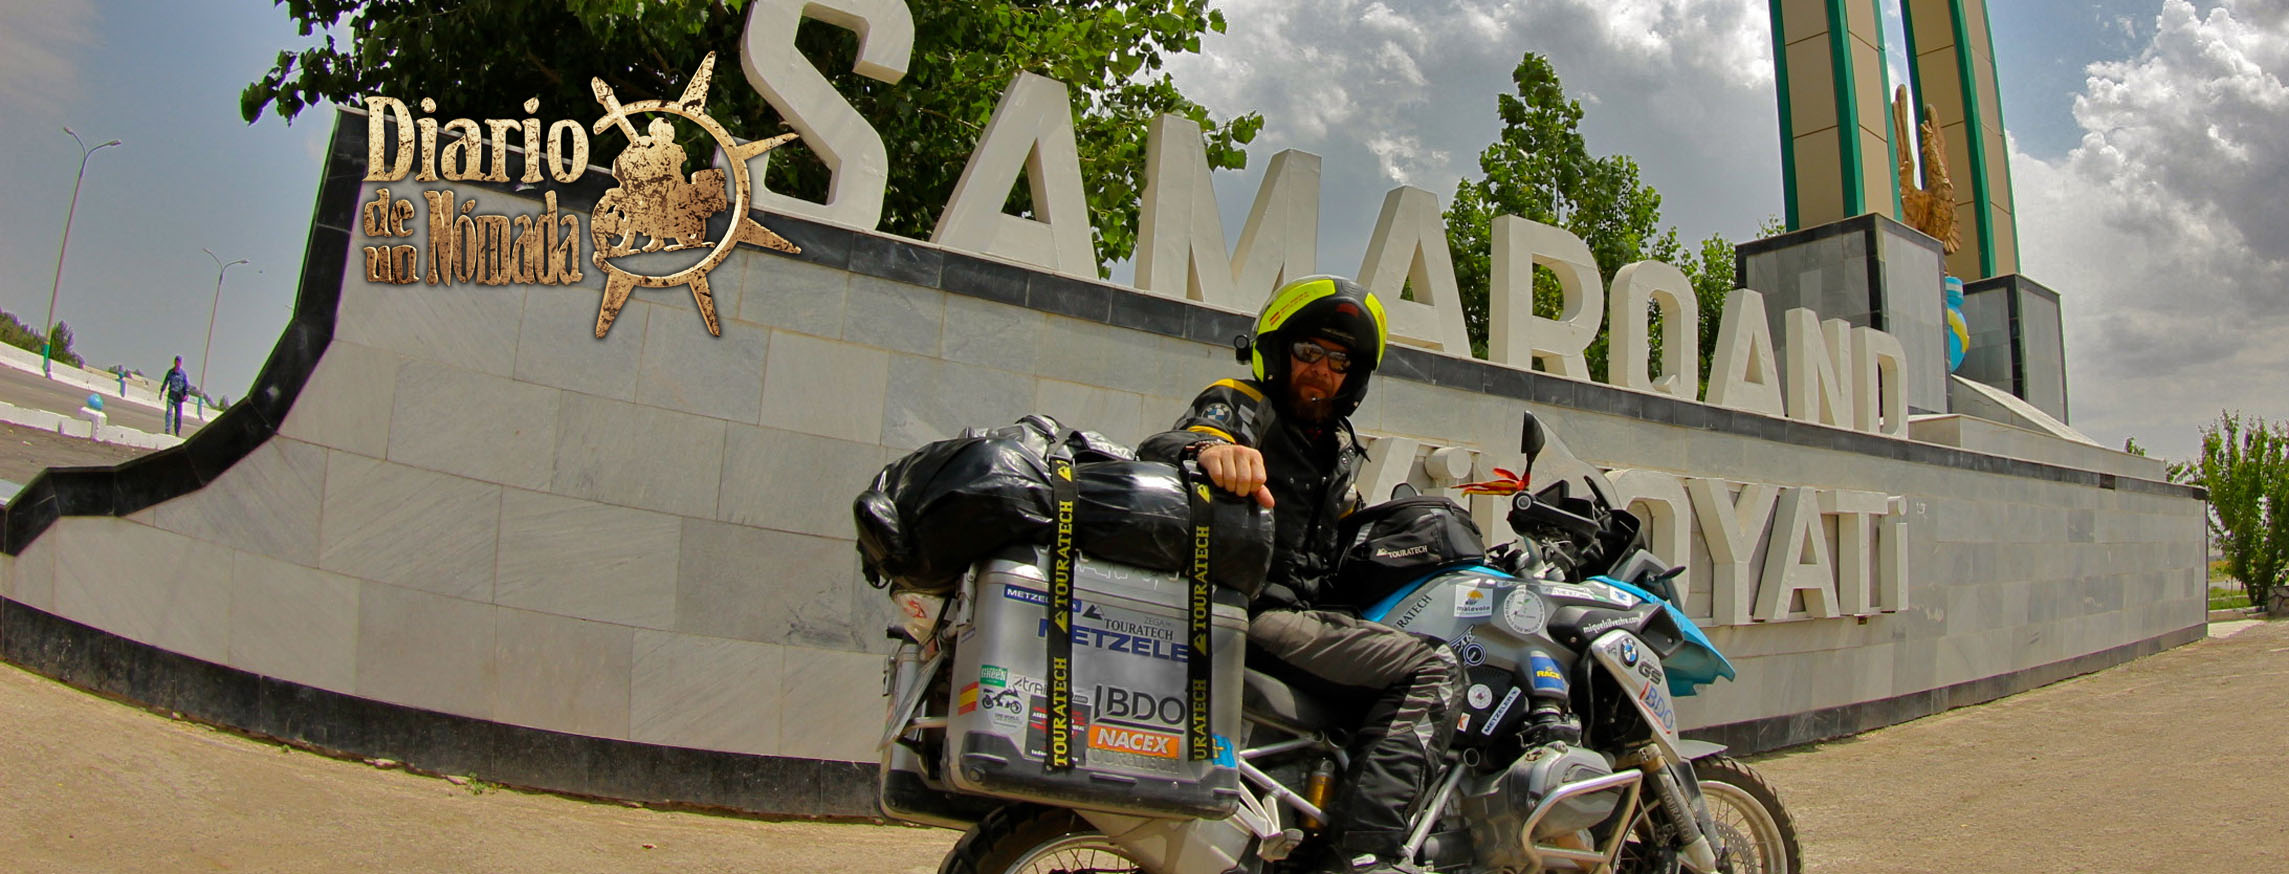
<point x="657" y="205"/>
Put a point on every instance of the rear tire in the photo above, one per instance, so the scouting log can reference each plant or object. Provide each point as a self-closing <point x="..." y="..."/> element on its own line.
<point x="1758" y="835"/>
<point x="1031" y="839"/>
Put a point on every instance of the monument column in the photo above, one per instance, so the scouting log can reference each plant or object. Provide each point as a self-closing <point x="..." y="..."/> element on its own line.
<point x="1837" y="154"/>
<point x="1953" y="65"/>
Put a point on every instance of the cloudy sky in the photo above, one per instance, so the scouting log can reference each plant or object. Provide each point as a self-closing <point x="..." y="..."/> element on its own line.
<point x="2144" y="134"/>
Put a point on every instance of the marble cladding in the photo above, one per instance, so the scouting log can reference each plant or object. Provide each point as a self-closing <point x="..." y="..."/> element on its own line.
<point x="479" y="508"/>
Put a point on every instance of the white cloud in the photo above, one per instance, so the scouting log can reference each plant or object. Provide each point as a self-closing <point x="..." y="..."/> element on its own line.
<point x="1404" y="159"/>
<point x="1403" y="90"/>
<point x="37" y="39"/>
<point x="2163" y="231"/>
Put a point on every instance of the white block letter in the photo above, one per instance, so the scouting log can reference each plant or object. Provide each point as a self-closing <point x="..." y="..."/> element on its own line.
<point x="1410" y="246"/>
<point x="857" y="166"/>
<point x="1730" y="527"/>
<point x="1281" y="239"/>
<point x="1819" y="368"/>
<point x="1031" y="132"/>
<point x="1744" y="376"/>
<point x="1876" y="376"/>
<point x="1515" y="335"/>
<point x="1797" y="561"/>
<point x="1636" y="289"/>
<point x="1659" y="499"/>
<point x="1855" y="542"/>
<point x="1180" y="238"/>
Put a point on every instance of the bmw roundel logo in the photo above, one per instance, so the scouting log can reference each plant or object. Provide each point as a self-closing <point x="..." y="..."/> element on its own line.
<point x="1628" y="652"/>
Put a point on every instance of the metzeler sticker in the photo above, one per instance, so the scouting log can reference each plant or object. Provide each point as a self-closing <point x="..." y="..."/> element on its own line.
<point x="1135" y="741"/>
<point x="1569" y="591"/>
<point x="1473" y="602"/>
<point x="1495" y="718"/>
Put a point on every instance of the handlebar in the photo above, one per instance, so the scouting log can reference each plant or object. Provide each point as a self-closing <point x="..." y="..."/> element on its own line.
<point x="1524" y="509"/>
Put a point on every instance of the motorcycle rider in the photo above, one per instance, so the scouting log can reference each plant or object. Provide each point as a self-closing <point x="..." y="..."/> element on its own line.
<point x="1283" y="436"/>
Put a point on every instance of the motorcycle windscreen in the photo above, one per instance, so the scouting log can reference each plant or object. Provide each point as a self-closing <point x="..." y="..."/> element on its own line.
<point x="1695" y="664"/>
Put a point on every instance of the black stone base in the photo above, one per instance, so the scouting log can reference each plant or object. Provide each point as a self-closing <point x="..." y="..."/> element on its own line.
<point x="1796" y="729"/>
<point x="346" y="725"/>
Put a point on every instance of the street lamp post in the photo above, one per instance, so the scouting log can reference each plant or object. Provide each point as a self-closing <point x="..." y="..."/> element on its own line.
<point x="48" y="340"/>
<point x="220" y="269"/>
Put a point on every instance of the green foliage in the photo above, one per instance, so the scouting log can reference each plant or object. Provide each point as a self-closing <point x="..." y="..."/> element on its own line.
<point x="22" y="336"/>
<point x="2245" y="466"/>
<point x="1540" y="168"/>
<point x="2222" y="598"/>
<point x="484" y="58"/>
<point x="2130" y="445"/>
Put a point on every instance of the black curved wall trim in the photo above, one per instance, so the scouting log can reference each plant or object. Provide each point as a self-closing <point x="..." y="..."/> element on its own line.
<point x="93" y="659"/>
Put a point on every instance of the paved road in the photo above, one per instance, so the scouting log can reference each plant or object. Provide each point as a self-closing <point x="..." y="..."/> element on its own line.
<point x="38" y="392"/>
<point x="2168" y="763"/>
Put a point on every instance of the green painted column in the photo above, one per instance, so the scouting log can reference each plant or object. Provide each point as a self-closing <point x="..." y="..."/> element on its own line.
<point x="1835" y="123"/>
<point x="1953" y="56"/>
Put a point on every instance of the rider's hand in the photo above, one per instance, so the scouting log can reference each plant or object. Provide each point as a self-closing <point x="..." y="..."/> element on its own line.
<point x="1237" y="469"/>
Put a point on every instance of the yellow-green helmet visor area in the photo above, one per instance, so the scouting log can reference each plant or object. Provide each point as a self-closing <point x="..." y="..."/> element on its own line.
<point x="1314" y="301"/>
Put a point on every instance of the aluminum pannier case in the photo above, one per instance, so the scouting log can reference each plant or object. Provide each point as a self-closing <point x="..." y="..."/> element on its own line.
<point x="1130" y="717"/>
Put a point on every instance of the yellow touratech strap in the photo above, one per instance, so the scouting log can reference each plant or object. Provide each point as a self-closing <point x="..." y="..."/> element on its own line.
<point x="1059" y="743"/>
<point x="1199" y="742"/>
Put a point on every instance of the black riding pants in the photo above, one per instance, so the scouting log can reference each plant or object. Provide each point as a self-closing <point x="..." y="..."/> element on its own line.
<point x="1415" y="685"/>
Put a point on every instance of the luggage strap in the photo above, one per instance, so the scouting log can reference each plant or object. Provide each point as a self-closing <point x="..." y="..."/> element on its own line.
<point x="1199" y="744"/>
<point x="1066" y="493"/>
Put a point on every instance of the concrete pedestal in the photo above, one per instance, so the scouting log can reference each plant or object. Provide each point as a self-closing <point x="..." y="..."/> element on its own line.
<point x="2017" y="342"/>
<point x="1868" y="270"/>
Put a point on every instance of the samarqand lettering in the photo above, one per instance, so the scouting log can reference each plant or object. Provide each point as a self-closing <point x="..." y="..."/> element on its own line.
<point x="1834" y="373"/>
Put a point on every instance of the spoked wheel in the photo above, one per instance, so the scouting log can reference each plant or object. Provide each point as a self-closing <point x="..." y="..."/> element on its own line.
<point x="1758" y="835"/>
<point x="1029" y="839"/>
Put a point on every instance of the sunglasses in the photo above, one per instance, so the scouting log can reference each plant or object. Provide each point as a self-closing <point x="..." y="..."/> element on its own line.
<point x="1309" y="352"/>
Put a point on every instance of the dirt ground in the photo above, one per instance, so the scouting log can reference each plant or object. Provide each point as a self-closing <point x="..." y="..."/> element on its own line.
<point x="25" y="451"/>
<point x="2169" y="762"/>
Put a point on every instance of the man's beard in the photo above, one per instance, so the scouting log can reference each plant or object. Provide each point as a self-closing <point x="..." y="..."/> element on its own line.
<point x="1311" y="405"/>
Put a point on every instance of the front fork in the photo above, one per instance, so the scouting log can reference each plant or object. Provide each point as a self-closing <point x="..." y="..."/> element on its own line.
<point x="1687" y="812"/>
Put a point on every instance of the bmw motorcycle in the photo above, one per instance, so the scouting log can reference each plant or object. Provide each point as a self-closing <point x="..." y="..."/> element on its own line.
<point x="1566" y="757"/>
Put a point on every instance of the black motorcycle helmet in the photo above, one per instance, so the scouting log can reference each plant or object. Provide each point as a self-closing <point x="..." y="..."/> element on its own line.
<point x="1327" y="307"/>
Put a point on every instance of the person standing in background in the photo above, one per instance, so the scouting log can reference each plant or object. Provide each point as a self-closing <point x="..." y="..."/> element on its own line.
<point x="173" y="388"/>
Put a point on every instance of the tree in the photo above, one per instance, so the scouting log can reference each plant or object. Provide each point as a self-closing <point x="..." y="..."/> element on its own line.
<point x="1540" y="168"/>
<point x="484" y="58"/>
<point x="15" y="333"/>
<point x="2245" y="466"/>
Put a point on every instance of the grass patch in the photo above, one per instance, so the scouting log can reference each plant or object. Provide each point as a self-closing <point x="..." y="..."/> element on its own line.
<point x="2228" y="599"/>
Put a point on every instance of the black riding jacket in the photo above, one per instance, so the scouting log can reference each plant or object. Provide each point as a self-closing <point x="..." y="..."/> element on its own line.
<point x="1311" y="473"/>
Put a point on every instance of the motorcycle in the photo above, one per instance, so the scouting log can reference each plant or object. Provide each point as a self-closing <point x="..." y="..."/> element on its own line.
<point x="1567" y="756"/>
